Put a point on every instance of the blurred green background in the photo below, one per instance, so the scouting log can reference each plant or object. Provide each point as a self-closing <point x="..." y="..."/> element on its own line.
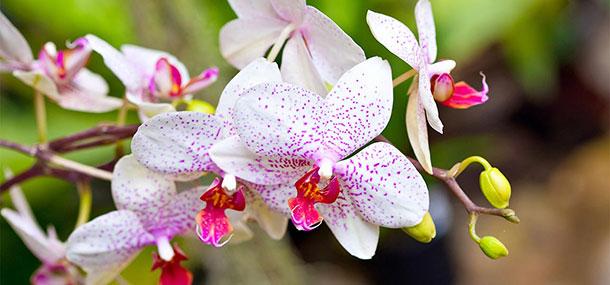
<point x="545" y="126"/>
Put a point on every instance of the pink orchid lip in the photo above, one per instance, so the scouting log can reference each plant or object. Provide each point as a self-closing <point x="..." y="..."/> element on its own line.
<point x="166" y="81"/>
<point x="212" y="222"/>
<point x="304" y="215"/>
<point x="465" y="96"/>
<point x="63" y="65"/>
<point x="172" y="272"/>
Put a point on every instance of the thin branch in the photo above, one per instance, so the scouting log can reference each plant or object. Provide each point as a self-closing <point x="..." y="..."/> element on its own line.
<point x="34" y="171"/>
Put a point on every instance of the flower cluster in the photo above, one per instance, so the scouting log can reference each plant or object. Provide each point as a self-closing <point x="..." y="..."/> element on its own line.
<point x="290" y="143"/>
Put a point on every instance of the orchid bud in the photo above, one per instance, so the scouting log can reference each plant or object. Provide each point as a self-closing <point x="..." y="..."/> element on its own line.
<point x="495" y="187"/>
<point x="492" y="247"/>
<point x="442" y="87"/>
<point x="200" y="106"/>
<point x="423" y="232"/>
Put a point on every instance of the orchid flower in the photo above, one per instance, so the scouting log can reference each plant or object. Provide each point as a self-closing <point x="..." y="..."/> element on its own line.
<point x="433" y="80"/>
<point x="295" y="131"/>
<point x="155" y="81"/>
<point x="55" y="269"/>
<point x="178" y="145"/>
<point x="60" y="75"/>
<point x="317" y="50"/>
<point x="150" y="211"/>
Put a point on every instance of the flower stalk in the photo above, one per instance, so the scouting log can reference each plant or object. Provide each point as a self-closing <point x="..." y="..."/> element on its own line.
<point x="279" y="42"/>
<point x="403" y="77"/>
<point x="41" y="116"/>
<point x="84" y="208"/>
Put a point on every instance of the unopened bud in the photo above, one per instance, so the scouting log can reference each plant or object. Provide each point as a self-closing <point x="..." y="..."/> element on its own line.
<point x="200" y="106"/>
<point x="495" y="187"/>
<point x="492" y="247"/>
<point x="442" y="87"/>
<point x="423" y="232"/>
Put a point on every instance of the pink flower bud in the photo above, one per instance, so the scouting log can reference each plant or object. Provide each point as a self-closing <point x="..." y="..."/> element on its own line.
<point x="442" y="86"/>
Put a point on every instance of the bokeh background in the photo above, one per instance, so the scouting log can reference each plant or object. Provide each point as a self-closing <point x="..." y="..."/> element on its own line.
<point x="545" y="125"/>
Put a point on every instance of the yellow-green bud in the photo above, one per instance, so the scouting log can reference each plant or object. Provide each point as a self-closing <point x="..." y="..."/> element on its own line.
<point x="495" y="187"/>
<point x="200" y="106"/>
<point x="423" y="232"/>
<point x="492" y="247"/>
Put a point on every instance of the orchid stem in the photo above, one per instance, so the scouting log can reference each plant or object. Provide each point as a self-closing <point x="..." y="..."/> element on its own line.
<point x="79" y="167"/>
<point x="84" y="208"/>
<point x="120" y="121"/>
<point x="41" y="116"/>
<point x="279" y="42"/>
<point x="403" y="77"/>
<point x="472" y="227"/>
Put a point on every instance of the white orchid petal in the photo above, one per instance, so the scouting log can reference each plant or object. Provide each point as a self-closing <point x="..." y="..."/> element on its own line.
<point x="138" y="189"/>
<point x="395" y="36"/>
<point x="258" y="71"/>
<point x="253" y="8"/>
<point x="273" y="223"/>
<point x="384" y="186"/>
<point x="289" y="10"/>
<point x="177" y="143"/>
<point x="39" y="81"/>
<point x="145" y="60"/>
<point x="444" y="66"/>
<point x="105" y="245"/>
<point x="356" y="235"/>
<point x="13" y="45"/>
<point x="298" y="68"/>
<point x="427" y="100"/>
<point x="333" y="51"/>
<point x="117" y="62"/>
<point x="417" y="130"/>
<point x="147" y="110"/>
<point x="18" y="198"/>
<point x="426" y="29"/>
<point x="33" y="236"/>
<point x="244" y="40"/>
<point x="278" y="119"/>
<point x="234" y="157"/>
<point x="360" y="106"/>
<point x="276" y="196"/>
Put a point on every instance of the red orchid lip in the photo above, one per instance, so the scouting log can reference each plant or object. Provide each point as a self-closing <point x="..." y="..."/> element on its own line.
<point x="303" y="213"/>
<point x="172" y="272"/>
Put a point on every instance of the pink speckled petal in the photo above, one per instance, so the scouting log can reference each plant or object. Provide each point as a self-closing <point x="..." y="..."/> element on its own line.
<point x="253" y="8"/>
<point x="417" y="130"/>
<point x="289" y="10"/>
<point x="259" y="71"/>
<point x="427" y="100"/>
<point x="395" y="36"/>
<point x="177" y="143"/>
<point x="106" y="245"/>
<point x="178" y="216"/>
<point x="333" y="51"/>
<point x="13" y="45"/>
<point x="276" y="196"/>
<point x="244" y="40"/>
<point x="356" y="235"/>
<point x="278" y="119"/>
<point x="138" y="189"/>
<point x="384" y="186"/>
<point x="297" y="67"/>
<point x="145" y="60"/>
<point x="360" y="106"/>
<point x="234" y="157"/>
<point x="425" y="29"/>
<point x="131" y="76"/>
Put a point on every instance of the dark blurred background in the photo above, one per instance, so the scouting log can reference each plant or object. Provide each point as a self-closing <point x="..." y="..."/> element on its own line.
<point x="545" y="125"/>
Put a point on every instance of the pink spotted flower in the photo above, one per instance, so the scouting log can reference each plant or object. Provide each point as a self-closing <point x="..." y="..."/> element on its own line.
<point x="155" y="81"/>
<point x="178" y="145"/>
<point x="316" y="49"/>
<point x="59" y="74"/>
<point x="306" y="140"/>
<point x="150" y="211"/>
<point x="433" y="80"/>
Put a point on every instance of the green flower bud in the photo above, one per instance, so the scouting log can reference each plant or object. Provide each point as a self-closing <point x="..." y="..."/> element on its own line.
<point x="423" y="232"/>
<point x="200" y="106"/>
<point x="495" y="187"/>
<point x="492" y="247"/>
